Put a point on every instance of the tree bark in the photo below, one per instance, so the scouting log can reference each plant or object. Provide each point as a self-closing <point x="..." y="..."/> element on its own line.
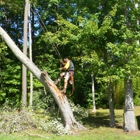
<point x="129" y="116"/>
<point x="43" y="77"/>
<point x="24" y="69"/>
<point x="111" y="104"/>
<point x="30" y="54"/>
<point x="93" y="94"/>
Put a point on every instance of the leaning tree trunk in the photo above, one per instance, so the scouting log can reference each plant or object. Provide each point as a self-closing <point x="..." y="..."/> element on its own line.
<point x="44" y="78"/>
<point x="129" y="116"/>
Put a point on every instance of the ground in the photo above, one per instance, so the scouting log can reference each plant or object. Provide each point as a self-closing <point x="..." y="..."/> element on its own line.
<point x="97" y="125"/>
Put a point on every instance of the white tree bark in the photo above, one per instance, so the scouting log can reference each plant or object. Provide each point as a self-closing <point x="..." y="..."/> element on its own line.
<point x="129" y="116"/>
<point x="44" y="78"/>
<point x="30" y="52"/>
<point x="93" y="94"/>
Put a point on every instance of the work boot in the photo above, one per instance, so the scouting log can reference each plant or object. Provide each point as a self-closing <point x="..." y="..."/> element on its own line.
<point x="64" y="90"/>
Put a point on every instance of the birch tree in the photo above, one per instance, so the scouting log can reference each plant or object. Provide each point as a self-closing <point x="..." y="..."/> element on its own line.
<point x="93" y="93"/>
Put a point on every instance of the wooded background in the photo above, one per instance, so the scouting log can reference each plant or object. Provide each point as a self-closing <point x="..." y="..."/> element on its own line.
<point x="100" y="37"/>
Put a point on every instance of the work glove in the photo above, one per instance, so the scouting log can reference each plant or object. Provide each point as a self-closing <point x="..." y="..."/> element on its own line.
<point x="60" y="68"/>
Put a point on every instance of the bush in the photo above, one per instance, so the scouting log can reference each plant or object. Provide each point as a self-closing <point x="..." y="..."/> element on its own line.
<point x="137" y="101"/>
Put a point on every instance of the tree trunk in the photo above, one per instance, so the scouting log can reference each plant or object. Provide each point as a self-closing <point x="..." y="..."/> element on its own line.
<point x="24" y="69"/>
<point x="30" y="54"/>
<point x="111" y="104"/>
<point x="44" y="78"/>
<point x="93" y="94"/>
<point x="129" y="116"/>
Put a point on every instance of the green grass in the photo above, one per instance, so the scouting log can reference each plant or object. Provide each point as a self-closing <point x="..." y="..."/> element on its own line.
<point x="97" y="125"/>
<point x="101" y="133"/>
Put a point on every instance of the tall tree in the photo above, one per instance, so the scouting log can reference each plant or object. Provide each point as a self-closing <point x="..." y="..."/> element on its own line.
<point x="125" y="56"/>
<point x="24" y="70"/>
<point x="129" y="116"/>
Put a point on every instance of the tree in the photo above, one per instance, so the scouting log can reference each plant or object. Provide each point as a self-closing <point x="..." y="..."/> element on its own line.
<point x="3" y="53"/>
<point x="93" y="93"/>
<point x="24" y="70"/>
<point x="129" y="115"/>
<point x="12" y="21"/>
<point x="30" y="54"/>
<point x="44" y="78"/>
<point x="111" y="103"/>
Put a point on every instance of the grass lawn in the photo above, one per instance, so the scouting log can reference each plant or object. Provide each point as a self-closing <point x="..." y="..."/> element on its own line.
<point x="97" y="125"/>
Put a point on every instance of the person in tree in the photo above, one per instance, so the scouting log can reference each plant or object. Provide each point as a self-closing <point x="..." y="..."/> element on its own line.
<point x="68" y="73"/>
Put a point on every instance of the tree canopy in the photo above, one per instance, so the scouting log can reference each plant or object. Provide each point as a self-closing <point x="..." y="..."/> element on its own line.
<point x="96" y="35"/>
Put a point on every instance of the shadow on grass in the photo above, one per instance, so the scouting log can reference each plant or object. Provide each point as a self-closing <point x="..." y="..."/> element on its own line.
<point x="99" y="119"/>
<point x="138" y="122"/>
<point x="96" y="120"/>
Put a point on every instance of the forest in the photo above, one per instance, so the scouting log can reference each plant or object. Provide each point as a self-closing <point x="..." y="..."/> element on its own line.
<point x="100" y="37"/>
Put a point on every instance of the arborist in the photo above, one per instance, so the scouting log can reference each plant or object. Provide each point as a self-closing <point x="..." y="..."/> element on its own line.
<point x="68" y="73"/>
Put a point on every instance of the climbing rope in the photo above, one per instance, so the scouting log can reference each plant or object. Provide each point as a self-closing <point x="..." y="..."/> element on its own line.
<point x="45" y="29"/>
<point x="68" y="95"/>
<point x="53" y="45"/>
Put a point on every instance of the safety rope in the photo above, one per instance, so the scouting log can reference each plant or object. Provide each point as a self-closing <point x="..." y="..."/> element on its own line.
<point x="53" y="45"/>
<point x="45" y="29"/>
<point x="68" y="95"/>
